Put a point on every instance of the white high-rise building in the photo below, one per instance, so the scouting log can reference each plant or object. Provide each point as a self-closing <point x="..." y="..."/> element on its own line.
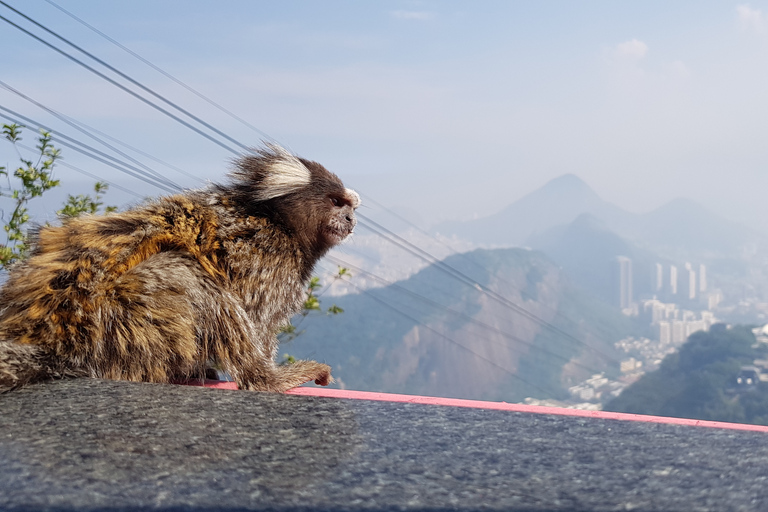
<point x="665" y="333"/>
<point x="673" y="280"/>
<point x="702" y="278"/>
<point x="678" y="331"/>
<point x="659" y="277"/>
<point x="625" y="282"/>
<point x="689" y="282"/>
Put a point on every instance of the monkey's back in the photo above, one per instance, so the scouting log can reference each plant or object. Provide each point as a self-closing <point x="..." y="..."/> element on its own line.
<point x="88" y="282"/>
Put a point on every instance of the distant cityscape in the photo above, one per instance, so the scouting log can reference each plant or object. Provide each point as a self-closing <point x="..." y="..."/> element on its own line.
<point x="671" y="325"/>
<point x="670" y="284"/>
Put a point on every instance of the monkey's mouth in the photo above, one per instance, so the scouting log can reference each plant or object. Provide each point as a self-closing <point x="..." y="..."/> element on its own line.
<point x="337" y="234"/>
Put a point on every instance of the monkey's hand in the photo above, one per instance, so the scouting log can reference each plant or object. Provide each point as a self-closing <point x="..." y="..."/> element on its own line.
<point x="312" y="370"/>
<point x="295" y="374"/>
<point x="324" y="377"/>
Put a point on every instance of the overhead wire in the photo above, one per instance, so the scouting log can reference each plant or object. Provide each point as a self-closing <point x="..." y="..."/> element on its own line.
<point x="121" y="86"/>
<point x="411" y="248"/>
<point x="90" y="175"/>
<point x="112" y="184"/>
<point x="437" y="305"/>
<point x="448" y="338"/>
<point x="127" y="77"/>
<point x="136" y="150"/>
<point x="160" y="70"/>
<point x="92" y="152"/>
<point x="464" y="256"/>
<point x="88" y="133"/>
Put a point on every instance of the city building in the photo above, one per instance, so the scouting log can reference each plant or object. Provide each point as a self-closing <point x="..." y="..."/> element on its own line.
<point x="630" y="365"/>
<point x="674" y="325"/>
<point x="665" y="333"/>
<point x="625" y="282"/>
<point x="659" y="278"/>
<point x="679" y="283"/>
<point x="672" y="280"/>
<point x="688" y="282"/>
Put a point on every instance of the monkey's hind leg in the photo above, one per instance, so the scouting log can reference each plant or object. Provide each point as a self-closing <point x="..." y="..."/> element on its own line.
<point x="249" y="359"/>
<point x="248" y="353"/>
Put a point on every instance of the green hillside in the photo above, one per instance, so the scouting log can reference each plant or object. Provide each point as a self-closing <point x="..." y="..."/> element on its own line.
<point x="700" y="381"/>
<point x="392" y="341"/>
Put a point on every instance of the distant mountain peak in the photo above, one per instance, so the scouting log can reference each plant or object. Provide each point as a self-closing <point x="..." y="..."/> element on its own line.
<point x="557" y="202"/>
<point x="567" y="183"/>
<point x="567" y="188"/>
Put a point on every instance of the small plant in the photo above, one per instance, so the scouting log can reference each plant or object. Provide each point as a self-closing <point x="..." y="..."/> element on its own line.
<point x="80" y="204"/>
<point x="30" y="180"/>
<point x="311" y="305"/>
<point x="33" y="180"/>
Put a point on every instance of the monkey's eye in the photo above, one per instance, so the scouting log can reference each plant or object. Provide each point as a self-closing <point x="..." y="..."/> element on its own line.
<point x="335" y="201"/>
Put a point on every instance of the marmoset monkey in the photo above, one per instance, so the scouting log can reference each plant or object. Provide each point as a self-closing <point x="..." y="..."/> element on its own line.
<point x="157" y="292"/>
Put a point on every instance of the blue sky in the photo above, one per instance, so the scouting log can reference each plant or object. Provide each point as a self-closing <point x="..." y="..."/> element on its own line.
<point x="438" y="109"/>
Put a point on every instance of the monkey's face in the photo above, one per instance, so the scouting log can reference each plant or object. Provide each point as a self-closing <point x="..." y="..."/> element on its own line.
<point x="341" y="219"/>
<point x="302" y="195"/>
<point x="321" y="214"/>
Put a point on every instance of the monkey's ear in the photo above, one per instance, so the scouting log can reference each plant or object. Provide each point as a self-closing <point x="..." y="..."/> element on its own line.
<point x="271" y="172"/>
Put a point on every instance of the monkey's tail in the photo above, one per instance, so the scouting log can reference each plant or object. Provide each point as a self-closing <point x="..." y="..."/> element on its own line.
<point x="22" y="364"/>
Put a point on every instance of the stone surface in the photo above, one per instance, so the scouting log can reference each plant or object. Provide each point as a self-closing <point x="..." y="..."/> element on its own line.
<point x="101" y="445"/>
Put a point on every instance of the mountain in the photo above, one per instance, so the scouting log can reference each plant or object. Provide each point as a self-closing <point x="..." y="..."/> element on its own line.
<point x="394" y="339"/>
<point x="558" y="202"/>
<point x="587" y="250"/>
<point x="684" y="226"/>
<point x="679" y="229"/>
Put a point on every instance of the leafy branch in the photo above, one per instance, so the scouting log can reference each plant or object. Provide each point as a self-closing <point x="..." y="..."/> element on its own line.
<point x="311" y="306"/>
<point x="32" y="179"/>
<point x="84" y="203"/>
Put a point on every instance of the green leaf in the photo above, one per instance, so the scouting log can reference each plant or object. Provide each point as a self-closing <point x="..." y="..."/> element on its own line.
<point x="335" y="310"/>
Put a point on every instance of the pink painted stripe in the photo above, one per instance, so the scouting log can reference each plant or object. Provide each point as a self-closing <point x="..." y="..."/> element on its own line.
<point x="215" y="384"/>
<point x="503" y="406"/>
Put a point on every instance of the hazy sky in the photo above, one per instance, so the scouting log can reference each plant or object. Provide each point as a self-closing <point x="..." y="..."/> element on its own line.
<point x="440" y="109"/>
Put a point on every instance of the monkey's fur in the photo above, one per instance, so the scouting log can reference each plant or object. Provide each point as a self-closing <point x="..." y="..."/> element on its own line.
<point x="157" y="292"/>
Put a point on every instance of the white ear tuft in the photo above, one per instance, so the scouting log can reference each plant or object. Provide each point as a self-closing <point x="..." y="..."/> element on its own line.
<point x="285" y="174"/>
